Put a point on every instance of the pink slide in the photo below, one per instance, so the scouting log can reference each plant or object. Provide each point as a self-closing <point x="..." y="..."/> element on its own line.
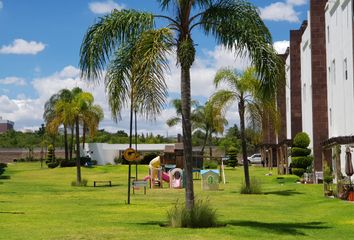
<point x="147" y="178"/>
<point x="165" y="177"/>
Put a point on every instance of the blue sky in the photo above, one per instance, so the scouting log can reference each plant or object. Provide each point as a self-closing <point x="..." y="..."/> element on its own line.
<point x="39" y="53"/>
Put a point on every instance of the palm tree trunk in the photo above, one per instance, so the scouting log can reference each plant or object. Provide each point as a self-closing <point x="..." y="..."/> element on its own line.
<point x="205" y="140"/>
<point x="71" y="142"/>
<point x="187" y="134"/>
<point x="66" y="142"/>
<point x="83" y="136"/>
<point x="78" y="167"/>
<point x="241" y="110"/>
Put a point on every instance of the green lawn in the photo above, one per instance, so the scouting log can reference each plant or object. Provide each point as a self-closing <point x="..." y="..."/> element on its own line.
<point x="41" y="204"/>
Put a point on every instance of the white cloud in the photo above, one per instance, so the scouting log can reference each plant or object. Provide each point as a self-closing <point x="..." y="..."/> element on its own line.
<point x="281" y="11"/>
<point x="20" y="46"/>
<point x="297" y="2"/>
<point x="13" y="81"/>
<point x="104" y="7"/>
<point x="1" y="5"/>
<point x="7" y="105"/>
<point x="281" y="46"/>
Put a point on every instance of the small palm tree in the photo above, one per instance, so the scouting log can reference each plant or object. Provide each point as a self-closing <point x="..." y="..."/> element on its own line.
<point x="240" y="89"/>
<point x="209" y="119"/>
<point x="235" y="24"/>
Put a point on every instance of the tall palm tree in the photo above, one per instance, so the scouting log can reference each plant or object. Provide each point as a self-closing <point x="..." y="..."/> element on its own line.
<point x="235" y="24"/>
<point x="49" y="114"/>
<point x="240" y="89"/>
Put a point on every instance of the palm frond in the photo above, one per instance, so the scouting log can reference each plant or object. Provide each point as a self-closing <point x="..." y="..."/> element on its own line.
<point x="173" y="121"/>
<point x="106" y="35"/>
<point x="236" y="24"/>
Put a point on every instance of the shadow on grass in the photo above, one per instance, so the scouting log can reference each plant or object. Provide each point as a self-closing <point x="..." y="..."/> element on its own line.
<point x="5" y="177"/>
<point x="105" y="186"/>
<point x="283" y="193"/>
<point x="280" y="228"/>
<point x="164" y="224"/>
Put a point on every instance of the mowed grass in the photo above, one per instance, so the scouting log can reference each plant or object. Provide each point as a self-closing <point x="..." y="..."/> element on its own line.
<point x="40" y="203"/>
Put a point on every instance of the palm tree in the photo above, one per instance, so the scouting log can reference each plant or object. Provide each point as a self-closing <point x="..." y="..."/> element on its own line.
<point x="90" y="121"/>
<point x="50" y="113"/>
<point x="209" y="119"/>
<point x="240" y="89"/>
<point x="177" y="105"/>
<point x="235" y="24"/>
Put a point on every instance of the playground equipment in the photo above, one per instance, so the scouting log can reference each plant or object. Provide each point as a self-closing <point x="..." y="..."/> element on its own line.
<point x="210" y="179"/>
<point x="156" y="175"/>
<point x="176" y="178"/>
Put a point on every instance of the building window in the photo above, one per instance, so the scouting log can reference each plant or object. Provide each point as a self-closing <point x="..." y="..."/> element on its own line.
<point x="345" y="69"/>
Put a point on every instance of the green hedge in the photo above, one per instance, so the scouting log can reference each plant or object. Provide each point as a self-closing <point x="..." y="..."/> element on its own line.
<point x="298" y="152"/>
<point x="301" y="140"/>
<point x="298" y="171"/>
<point x="301" y="162"/>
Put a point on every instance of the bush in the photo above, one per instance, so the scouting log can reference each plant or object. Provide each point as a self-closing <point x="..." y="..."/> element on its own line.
<point x="82" y="184"/>
<point x="255" y="187"/>
<point x="232" y="152"/>
<point x="53" y="164"/>
<point x="201" y="216"/>
<point x="301" y="140"/>
<point x="3" y="165"/>
<point x="301" y="162"/>
<point x="68" y="163"/>
<point x="298" y="171"/>
<point x="295" y="151"/>
<point x="148" y="157"/>
<point x="327" y="174"/>
<point x="94" y="162"/>
<point x="118" y="160"/>
<point x="2" y="171"/>
<point x="210" y="164"/>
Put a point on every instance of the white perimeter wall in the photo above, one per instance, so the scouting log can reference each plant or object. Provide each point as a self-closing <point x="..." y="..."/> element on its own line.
<point x="306" y="82"/>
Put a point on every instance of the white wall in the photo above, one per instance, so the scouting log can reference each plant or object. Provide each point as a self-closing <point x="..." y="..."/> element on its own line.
<point x="105" y="153"/>
<point x="340" y="88"/>
<point x="288" y="97"/>
<point x="306" y="82"/>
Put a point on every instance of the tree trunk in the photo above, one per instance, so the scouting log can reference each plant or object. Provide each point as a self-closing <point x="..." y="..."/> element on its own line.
<point x="83" y="136"/>
<point x="78" y="167"/>
<point x="71" y="143"/>
<point x="187" y="134"/>
<point x="241" y="110"/>
<point x="66" y="143"/>
<point x="205" y="140"/>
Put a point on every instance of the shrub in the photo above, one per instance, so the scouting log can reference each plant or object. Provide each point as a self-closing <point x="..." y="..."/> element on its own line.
<point x="118" y="160"/>
<point x="50" y="155"/>
<point x="94" y="162"/>
<point x="301" y="140"/>
<point x="3" y="165"/>
<point x="301" y="162"/>
<point x="255" y="187"/>
<point x="68" y="163"/>
<point x="210" y="164"/>
<point x="201" y="216"/>
<point x="298" y="171"/>
<point x="148" y="157"/>
<point x="327" y="174"/>
<point x="82" y="184"/>
<point x="53" y="164"/>
<point x="295" y="151"/>
<point x="232" y="152"/>
<point x="2" y="171"/>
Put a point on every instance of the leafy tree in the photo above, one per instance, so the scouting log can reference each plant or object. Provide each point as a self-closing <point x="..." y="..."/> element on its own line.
<point x="240" y="89"/>
<point x="235" y="24"/>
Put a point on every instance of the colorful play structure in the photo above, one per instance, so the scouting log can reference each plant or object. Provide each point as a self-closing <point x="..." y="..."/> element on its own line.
<point x="169" y="168"/>
<point x="157" y="176"/>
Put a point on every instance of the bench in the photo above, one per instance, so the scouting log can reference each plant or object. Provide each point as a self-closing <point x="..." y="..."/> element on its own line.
<point x="137" y="184"/>
<point x="108" y="182"/>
